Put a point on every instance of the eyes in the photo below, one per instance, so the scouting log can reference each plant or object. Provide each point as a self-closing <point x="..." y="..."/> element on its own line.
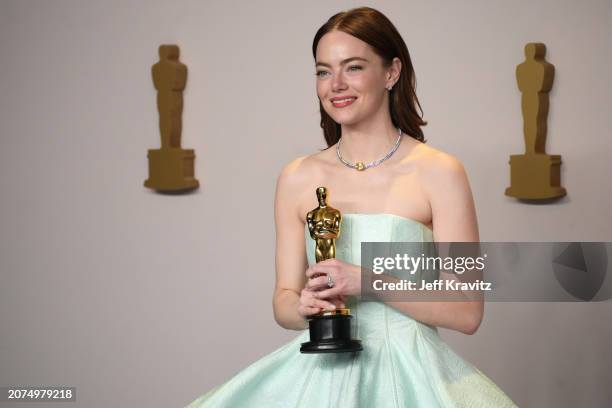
<point x="352" y="68"/>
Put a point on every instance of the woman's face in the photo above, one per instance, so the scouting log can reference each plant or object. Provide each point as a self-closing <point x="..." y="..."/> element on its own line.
<point x="348" y="68"/>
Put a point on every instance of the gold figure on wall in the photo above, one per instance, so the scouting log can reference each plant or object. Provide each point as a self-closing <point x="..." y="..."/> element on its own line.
<point x="171" y="169"/>
<point x="535" y="175"/>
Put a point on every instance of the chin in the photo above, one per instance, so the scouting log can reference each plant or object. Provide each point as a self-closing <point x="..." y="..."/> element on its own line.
<point x="346" y="119"/>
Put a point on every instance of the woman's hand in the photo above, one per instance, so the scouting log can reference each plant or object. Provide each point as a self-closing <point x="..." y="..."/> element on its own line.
<point x="310" y="304"/>
<point x="346" y="278"/>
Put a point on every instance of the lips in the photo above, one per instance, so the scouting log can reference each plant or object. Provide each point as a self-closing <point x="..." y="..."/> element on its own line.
<point x="342" y="101"/>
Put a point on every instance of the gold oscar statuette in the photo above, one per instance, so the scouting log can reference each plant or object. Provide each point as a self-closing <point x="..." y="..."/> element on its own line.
<point x="535" y="175"/>
<point x="170" y="167"/>
<point x="330" y="331"/>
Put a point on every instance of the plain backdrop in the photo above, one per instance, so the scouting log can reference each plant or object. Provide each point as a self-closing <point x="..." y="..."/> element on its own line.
<point x="140" y="299"/>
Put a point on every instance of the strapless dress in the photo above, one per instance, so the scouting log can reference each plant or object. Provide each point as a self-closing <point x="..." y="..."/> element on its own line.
<point x="404" y="363"/>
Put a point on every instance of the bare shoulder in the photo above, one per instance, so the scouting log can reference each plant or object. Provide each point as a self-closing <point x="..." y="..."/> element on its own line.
<point x="450" y="197"/>
<point x="300" y="173"/>
<point x="440" y="172"/>
<point x="436" y="164"/>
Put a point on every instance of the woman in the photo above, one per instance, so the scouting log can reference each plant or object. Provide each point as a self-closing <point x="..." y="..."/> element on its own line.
<point x="389" y="186"/>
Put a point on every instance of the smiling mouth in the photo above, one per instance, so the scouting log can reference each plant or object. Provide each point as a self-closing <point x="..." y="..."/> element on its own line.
<point x="343" y="102"/>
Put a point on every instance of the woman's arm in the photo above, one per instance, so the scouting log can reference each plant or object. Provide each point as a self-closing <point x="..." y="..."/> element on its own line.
<point x="290" y="252"/>
<point x="291" y="262"/>
<point x="454" y="220"/>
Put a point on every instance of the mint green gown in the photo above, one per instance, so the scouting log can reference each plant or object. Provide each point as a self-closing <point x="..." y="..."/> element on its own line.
<point x="404" y="363"/>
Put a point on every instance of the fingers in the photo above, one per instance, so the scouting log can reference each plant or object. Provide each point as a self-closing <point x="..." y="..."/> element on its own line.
<point x="307" y="311"/>
<point x="322" y="304"/>
<point x="331" y="297"/>
<point x="328" y="293"/>
<point x="331" y="261"/>
<point x="338" y="302"/>
<point x="320" y="269"/>
<point x="317" y="283"/>
<point x="309" y="304"/>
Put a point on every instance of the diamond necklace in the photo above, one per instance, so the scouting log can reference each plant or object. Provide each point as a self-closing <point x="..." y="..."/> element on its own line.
<point x="360" y="166"/>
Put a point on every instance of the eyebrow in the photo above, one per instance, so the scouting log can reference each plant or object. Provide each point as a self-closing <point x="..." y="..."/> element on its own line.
<point x="345" y="61"/>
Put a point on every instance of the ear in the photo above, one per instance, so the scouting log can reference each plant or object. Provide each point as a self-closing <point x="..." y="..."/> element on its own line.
<point x="393" y="72"/>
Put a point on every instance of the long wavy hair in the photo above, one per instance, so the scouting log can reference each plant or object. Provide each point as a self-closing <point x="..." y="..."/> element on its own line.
<point x="374" y="28"/>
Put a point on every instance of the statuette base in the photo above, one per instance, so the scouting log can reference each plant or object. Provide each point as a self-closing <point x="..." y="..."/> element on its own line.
<point x="171" y="169"/>
<point x="330" y="334"/>
<point x="535" y="177"/>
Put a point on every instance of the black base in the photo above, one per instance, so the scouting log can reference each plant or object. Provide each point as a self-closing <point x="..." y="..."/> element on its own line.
<point x="330" y="334"/>
<point x="311" y="347"/>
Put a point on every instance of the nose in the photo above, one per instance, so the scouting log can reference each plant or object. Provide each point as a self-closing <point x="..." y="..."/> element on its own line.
<point x="338" y="83"/>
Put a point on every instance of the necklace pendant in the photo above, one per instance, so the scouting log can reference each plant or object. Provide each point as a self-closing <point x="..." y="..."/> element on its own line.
<point x="360" y="166"/>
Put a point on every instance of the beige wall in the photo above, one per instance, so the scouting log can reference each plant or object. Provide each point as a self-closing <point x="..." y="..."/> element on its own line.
<point x="140" y="299"/>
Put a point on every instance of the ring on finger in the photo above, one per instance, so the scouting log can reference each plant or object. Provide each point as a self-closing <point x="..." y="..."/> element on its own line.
<point x="330" y="281"/>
